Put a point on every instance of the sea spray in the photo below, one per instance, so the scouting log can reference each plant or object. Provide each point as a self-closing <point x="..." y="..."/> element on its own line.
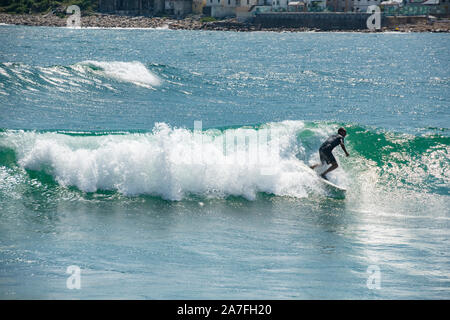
<point x="173" y="163"/>
<point x="157" y="163"/>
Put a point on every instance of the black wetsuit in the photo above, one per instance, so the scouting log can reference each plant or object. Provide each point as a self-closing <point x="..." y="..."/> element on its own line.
<point x="328" y="146"/>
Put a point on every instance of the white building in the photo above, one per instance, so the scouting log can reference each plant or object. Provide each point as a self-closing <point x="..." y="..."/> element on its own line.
<point x="283" y="4"/>
<point x="242" y="8"/>
<point x="222" y="8"/>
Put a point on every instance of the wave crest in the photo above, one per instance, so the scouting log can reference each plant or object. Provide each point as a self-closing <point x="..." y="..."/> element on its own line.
<point x="134" y="72"/>
<point x="271" y="158"/>
<point x="81" y="76"/>
<point x="165" y="162"/>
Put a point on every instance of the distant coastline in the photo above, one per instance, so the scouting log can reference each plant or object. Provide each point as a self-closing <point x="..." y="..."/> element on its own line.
<point x="192" y="22"/>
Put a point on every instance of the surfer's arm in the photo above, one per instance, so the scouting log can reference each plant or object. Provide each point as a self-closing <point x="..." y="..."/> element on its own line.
<point x="345" y="150"/>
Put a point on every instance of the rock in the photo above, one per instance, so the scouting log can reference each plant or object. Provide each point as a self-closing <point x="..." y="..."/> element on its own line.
<point x="191" y="22"/>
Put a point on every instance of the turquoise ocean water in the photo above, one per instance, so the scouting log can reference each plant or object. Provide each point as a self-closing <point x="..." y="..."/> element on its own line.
<point x="103" y="164"/>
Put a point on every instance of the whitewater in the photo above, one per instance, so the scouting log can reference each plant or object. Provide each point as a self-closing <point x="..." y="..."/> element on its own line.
<point x="174" y="164"/>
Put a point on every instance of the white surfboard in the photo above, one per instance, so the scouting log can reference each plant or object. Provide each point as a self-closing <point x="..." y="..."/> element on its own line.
<point x="329" y="185"/>
<point x="332" y="185"/>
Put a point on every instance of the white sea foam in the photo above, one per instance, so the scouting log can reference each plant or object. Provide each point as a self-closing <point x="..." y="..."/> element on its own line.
<point x="173" y="163"/>
<point x="134" y="72"/>
<point x="82" y="74"/>
<point x="4" y="73"/>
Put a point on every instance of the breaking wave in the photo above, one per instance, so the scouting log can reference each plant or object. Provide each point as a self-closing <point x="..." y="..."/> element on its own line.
<point x="82" y="76"/>
<point x="174" y="163"/>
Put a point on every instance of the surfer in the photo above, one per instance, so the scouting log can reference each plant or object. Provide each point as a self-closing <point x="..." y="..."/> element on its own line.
<point x="326" y="156"/>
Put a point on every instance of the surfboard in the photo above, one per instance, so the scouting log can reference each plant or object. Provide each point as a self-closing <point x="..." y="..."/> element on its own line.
<point x="328" y="184"/>
<point x="332" y="185"/>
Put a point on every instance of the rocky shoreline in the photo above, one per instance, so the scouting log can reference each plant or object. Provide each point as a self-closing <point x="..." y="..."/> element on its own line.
<point x="190" y="23"/>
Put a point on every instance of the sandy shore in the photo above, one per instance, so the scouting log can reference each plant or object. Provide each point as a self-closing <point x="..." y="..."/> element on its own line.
<point x="189" y="23"/>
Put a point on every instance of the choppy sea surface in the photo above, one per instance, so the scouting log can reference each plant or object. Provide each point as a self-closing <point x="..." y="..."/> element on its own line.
<point x="173" y="164"/>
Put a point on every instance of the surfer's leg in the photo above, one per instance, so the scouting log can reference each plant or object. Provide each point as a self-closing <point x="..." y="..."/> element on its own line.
<point x="334" y="165"/>
<point x="323" y="160"/>
<point x="314" y="166"/>
<point x="327" y="156"/>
